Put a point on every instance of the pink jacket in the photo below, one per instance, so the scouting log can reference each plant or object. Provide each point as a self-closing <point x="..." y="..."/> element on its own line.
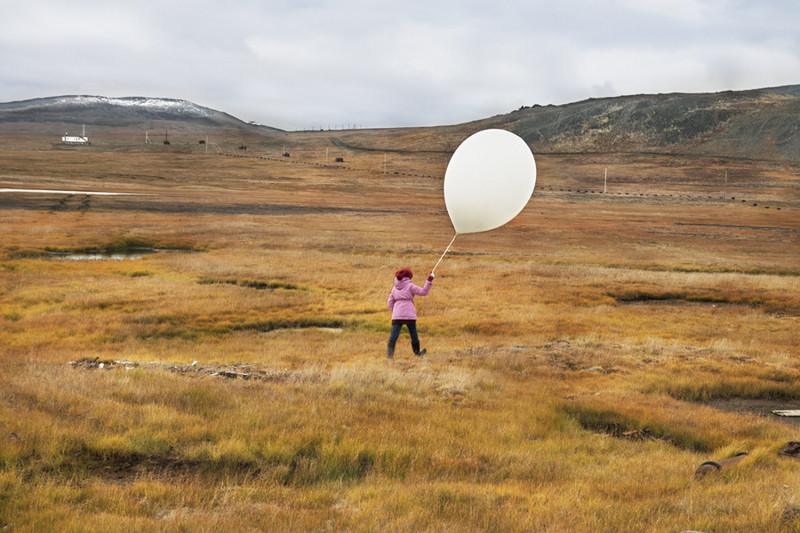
<point x="401" y="299"/>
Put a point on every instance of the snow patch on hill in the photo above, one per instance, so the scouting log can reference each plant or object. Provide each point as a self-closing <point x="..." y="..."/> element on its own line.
<point x="154" y="104"/>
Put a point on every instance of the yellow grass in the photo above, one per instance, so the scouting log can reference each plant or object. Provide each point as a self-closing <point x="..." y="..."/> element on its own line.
<point x="585" y="319"/>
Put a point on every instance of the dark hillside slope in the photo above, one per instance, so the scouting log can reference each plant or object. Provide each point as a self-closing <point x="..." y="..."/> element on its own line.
<point x="758" y="124"/>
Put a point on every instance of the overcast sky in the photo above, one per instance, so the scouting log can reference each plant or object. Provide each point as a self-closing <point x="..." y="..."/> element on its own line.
<point x="311" y="63"/>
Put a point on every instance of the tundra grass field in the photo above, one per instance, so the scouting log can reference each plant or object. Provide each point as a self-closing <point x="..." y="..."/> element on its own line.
<point x="231" y="372"/>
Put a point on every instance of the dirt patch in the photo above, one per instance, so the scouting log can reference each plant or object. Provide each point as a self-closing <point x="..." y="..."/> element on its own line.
<point x="175" y="326"/>
<point x="162" y="206"/>
<point x="249" y="283"/>
<point x="711" y="298"/>
<point x="704" y="270"/>
<point x="624" y="431"/>
<point x="679" y="298"/>
<point x="621" y="426"/>
<point x="790" y="449"/>
<point x="232" y="371"/>
<point x="119" y="466"/>
<point x="758" y="394"/>
<point x="769" y="389"/>
<point x="308" y="464"/>
<point x="758" y="407"/>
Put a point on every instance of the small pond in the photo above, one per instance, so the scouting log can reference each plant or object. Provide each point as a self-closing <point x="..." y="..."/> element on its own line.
<point x="97" y="257"/>
<point x="100" y="255"/>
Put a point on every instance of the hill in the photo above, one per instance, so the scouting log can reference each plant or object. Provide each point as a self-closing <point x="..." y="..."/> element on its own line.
<point x="758" y="124"/>
<point x="117" y="112"/>
<point x="754" y="124"/>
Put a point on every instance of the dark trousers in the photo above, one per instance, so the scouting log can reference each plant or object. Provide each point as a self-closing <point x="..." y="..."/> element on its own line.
<point x="397" y="325"/>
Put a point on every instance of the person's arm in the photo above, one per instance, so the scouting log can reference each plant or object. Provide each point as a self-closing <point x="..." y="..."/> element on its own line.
<point x="425" y="289"/>
<point x="390" y="301"/>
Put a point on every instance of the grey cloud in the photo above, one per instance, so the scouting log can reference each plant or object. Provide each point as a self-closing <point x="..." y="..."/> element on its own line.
<point x="300" y="64"/>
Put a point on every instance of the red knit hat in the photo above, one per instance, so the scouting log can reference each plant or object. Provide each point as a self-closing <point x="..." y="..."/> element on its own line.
<point x="404" y="273"/>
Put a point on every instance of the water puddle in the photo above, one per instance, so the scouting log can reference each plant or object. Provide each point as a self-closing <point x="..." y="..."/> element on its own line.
<point x="98" y="257"/>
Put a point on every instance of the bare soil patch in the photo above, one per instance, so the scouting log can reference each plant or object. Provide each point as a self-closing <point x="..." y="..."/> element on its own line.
<point x="759" y="407"/>
<point x="231" y="371"/>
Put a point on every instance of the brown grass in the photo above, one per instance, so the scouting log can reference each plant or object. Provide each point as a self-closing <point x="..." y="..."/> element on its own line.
<point x="571" y="353"/>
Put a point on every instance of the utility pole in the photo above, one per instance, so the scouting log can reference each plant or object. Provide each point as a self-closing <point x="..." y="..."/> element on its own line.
<point x="206" y="143"/>
<point x="326" y="153"/>
<point x="146" y="137"/>
<point x="726" y="184"/>
<point x="605" y="180"/>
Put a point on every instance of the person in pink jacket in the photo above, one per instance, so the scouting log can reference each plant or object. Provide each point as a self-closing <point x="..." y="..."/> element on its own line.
<point x="401" y="303"/>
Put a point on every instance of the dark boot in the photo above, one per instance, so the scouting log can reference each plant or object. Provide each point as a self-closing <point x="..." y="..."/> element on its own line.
<point x="420" y="353"/>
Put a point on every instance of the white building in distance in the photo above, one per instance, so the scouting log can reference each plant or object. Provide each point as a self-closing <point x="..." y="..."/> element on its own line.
<point x="74" y="139"/>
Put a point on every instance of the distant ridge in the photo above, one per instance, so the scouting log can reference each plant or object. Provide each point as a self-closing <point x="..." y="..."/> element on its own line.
<point x="119" y="111"/>
<point x="784" y="89"/>
<point x="755" y="124"/>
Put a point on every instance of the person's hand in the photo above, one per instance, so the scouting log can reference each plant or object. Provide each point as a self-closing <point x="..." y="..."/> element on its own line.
<point x="431" y="276"/>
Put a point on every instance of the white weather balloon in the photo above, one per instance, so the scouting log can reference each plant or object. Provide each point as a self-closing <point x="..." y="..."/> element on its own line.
<point x="488" y="181"/>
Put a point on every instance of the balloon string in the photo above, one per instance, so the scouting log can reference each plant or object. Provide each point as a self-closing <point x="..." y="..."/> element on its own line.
<point x="445" y="253"/>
